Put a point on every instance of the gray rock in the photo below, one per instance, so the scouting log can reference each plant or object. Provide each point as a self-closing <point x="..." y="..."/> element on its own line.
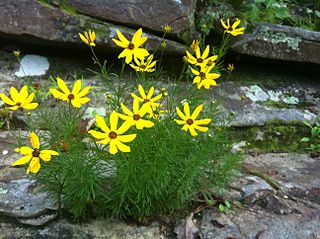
<point x="146" y="13"/>
<point x="258" y="115"/>
<point x="278" y="42"/>
<point x="33" y="65"/>
<point x="21" y="198"/>
<point x="34" y="22"/>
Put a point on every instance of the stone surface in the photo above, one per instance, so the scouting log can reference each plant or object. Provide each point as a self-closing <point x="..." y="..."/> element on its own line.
<point x="278" y="42"/>
<point x="37" y="23"/>
<point x="266" y="212"/>
<point x="33" y="65"/>
<point x="148" y="14"/>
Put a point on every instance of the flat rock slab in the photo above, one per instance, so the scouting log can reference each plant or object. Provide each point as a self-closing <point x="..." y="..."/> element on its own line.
<point x="266" y="212"/>
<point x="37" y="23"/>
<point x="278" y="42"/>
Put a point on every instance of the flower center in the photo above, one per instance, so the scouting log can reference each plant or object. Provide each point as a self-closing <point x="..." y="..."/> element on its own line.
<point x="202" y="75"/>
<point x="113" y="135"/>
<point x="136" y="117"/>
<point x="230" y="29"/>
<point x="199" y="60"/>
<point x="71" y="97"/>
<point x="146" y="100"/>
<point x="209" y="63"/>
<point x="35" y="153"/>
<point x="131" y="46"/>
<point x="18" y="104"/>
<point x="143" y="66"/>
<point x="189" y="121"/>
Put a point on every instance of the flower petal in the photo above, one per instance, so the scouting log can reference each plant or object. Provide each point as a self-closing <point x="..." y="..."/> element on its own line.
<point x="97" y="134"/>
<point x="63" y="86"/>
<point x="126" y="138"/>
<point x="126" y="110"/>
<point x="84" y="91"/>
<point x="114" y="121"/>
<point x="102" y="124"/>
<point x="76" y="87"/>
<point x="122" y="38"/>
<point x="34" y="165"/>
<point x="196" y="112"/>
<point x="186" y="109"/>
<point x="14" y="94"/>
<point x="113" y="148"/>
<point x="22" y="160"/>
<point x="24" y="150"/>
<point x="23" y="94"/>
<point x="6" y="99"/>
<point x="30" y="106"/>
<point x="122" y="147"/>
<point x="142" y="92"/>
<point x="34" y="140"/>
<point x="181" y="115"/>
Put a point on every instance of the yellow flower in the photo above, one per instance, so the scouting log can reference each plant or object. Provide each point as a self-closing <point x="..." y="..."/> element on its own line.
<point x="232" y="29"/>
<point x="88" y="38"/>
<point x="201" y="60"/>
<point x="147" y="98"/>
<point x="190" y="122"/>
<point x="230" y="67"/>
<point x="135" y="118"/>
<point x="143" y="66"/>
<point x="166" y="28"/>
<point x="113" y="135"/>
<point x="16" y="53"/>
<point x="204" y="77"/>
<point x="20" y="100"/>
<point x="131" y="48"/>
<point x="76" y="97"/>
<point x="195" y="45"/>
<point x="156" y="111"/>
<point x="34" y="154"/>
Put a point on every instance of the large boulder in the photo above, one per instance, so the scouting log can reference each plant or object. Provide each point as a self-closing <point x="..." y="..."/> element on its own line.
<point x="149" y="14"/>
<point x="35" y="22"/>
<point x="278" y="42"/>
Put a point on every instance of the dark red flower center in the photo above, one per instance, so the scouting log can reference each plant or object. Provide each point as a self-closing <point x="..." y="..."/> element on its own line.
<point x="136" y="117"/>
<point x="199" y="60"/>
<point x="113" y="135"/>
<point x="70" y="96"/>
<point x="202" y="75"/>
<point x="146" y="100"/>
<point x="189" y="121"/>
<point x="18" y="104"/>
<point x="131" y="46"/>
<point x="35" y="153"/>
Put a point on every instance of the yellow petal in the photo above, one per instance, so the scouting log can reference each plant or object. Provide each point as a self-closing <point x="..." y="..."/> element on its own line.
<point x="202" y="121"/>
<point x="122" y="38"/>
<point x="136" y="107"/>
<point x="196" y="112"/>
<point x="200" y="128"/>
<point x="181" y="115"/>
<point x="14" y="94"/>
<point x="104" y="141"/>
<point x="150" y="92"/>
<point x="180" y="122"/>
<point x="141" y="53"/>
<point x="141" y="123"/>
<point x="102" y="124"/>
<point x="23" y="94"/>
<point x="124" y="127"/>
<point x="97" y="134"/>
<point x="223" y="24"/>
<point x="30" y="106"/>
<point x="122" y="147"/>
<point x="126" y="110"/>
<point x="126" y="138"/>
<point x="82" y="37"/>
<point x="49" y="151"/>
<point x="76" y="103"/>
<point x="186" y="109"/>
<point x="235" y="24"/>
<point x="84" y="92"/>
<point x="34" y="140"/>
<point x="63" y="86"/>
<point x="45" y="156"/>
<point x="114" y="121"/>
<point x="119" y="43"/>
<point x="136" y="37"/>
<point x="206" y="52"/>
<point x="56" y="94"/>
<point x="30" y="98"/>
<point x="22" y="160"/>
<point x="6" y="99"/>
<point x="83" y="100"/>
<point x="34" y="165"/>
<point x="24" y="150"/>
<point x="113" y="148"/>
<point x="142" y="92"/>
<point x="76" y="88"/>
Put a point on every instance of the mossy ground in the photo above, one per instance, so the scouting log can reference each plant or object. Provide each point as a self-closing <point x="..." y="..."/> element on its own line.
<point x="273" y="137"/>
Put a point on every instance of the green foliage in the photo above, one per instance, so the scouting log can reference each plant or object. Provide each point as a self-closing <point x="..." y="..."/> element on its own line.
<point x="266" y="11"/>
<point x="166" y="170"/>
<point x="314" y="139"/>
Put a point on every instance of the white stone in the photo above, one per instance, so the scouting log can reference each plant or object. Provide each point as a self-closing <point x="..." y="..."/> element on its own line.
<point x="33" y="65"/>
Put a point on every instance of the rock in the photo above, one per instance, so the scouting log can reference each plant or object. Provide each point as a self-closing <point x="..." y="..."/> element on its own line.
<point x="278" y="42"/>
<point x="148" y="14"/>
<point x="259" y="115"/>
<point x="93" y="229"/>
<point x="33" y="65"/>
<point x="21" y="198"/>
<point x="42" y="24"/>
